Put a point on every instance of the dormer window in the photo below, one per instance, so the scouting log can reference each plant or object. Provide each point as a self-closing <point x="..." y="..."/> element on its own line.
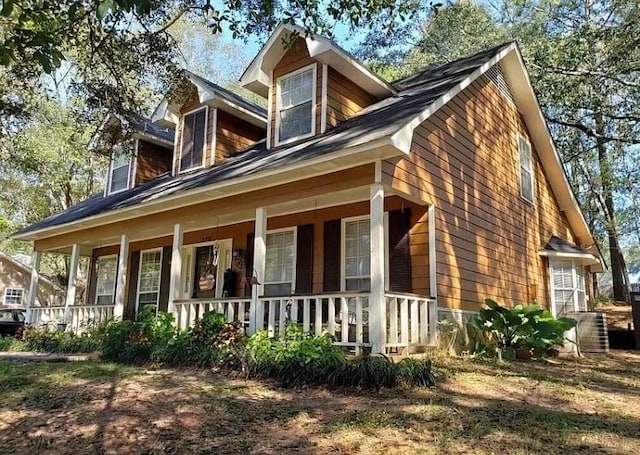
<point x="119" y="172"/>
<point x="194" y="127"/>
<point x="295" y="106"/>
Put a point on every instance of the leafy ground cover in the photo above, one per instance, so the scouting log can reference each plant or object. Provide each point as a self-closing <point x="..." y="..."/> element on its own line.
<point x="582" y="406"/>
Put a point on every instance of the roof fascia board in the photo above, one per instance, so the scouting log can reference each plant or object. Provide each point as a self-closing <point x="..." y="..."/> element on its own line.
<point x="330" y="162"/>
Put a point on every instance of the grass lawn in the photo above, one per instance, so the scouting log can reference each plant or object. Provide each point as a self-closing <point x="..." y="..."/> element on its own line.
<point x="590" y="406"/>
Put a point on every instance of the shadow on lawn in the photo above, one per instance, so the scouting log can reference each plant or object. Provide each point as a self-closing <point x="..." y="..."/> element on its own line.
<point x="103" y="409"/>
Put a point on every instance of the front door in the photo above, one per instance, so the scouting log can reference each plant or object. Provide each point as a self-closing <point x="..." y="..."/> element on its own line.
<point x="210" y="263"/>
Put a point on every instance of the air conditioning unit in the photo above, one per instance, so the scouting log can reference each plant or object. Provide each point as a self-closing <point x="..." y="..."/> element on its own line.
<point x="592" y="334"/>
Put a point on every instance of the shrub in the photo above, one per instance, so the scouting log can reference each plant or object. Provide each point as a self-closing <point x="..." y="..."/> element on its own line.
<point x="12" y="343"/>
<point x="297" y="358"/>
<point x="45" y="340"/>
<point x="503" y="331"/>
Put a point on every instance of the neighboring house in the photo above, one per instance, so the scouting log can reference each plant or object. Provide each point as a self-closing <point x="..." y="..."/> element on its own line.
<point x="350" y="204"/>
<point x="15" y="279"/>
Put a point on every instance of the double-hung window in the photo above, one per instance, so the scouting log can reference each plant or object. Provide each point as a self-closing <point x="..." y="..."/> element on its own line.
<point x="120" y="170"/>
<point x="357" y="255"/>
<point x="280" y="263"/>
<point x="525" y="159"/>
<point x="149" y="278"/>
<point x="106" y="267"/>
<point x="13" y="296"/>
<point x="192" y="147"/>
<point x="295" y="105"/>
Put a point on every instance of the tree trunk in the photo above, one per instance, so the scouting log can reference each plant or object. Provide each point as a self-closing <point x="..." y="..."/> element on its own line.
<point x="617" y="263"/>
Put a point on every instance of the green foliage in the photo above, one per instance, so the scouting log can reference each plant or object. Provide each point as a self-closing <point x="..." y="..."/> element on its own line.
<point x="8" y="343"/>
<point x="300" y="358"/>
<point x="45" y="340"/>
<point x="523" y="327"/>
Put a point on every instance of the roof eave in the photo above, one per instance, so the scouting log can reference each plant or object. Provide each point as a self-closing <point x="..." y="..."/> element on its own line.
<point x="347" y="157"/>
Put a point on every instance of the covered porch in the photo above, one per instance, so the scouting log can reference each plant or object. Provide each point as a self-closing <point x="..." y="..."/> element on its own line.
<point x="356" y="262"/>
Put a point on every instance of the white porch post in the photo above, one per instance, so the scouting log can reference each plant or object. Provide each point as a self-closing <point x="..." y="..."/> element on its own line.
<point x="259" y="259"/>
<point x="71" y="285"/>
<point x="33" y="285"/>
<point x="377" y="303"/>
<point x="176" y="268"/>
<point x="121" y="277"/>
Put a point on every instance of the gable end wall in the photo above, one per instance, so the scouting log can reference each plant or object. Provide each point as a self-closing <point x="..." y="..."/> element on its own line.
<point x="464" y="159"/>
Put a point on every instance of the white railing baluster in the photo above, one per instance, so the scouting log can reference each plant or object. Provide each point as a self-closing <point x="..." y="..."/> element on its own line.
<point x="359" y="339"/>
<point x="318" y="317"/>
<point x="283" y="317"/>
<point x="331" y="316"/>
<point x="344" y="322"/>
<point x="272" y="318"/>
<point x="404" y="322"/>
<point x="414" y="322"/>
<point x="294" y="310"/>
<point x="306" y="315"/>
<point x="393" y="320"/>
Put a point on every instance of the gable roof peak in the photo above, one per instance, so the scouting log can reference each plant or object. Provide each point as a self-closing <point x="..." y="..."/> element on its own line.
<point x="257" y="76"/>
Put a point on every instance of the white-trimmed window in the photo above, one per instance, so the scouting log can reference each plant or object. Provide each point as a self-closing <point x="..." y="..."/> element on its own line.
<point x="357" y="255"/>
<point x="568" y="293"/>
<point x="149" y="277"/>
<point x="279" y="276"/>
<point x="13" y="296"/>
<point x="525" y="159"/>
<point x="106" y="267"/>
<point x="120" y="170"/>
<point x="194" y="138"/>
<point x="295" y="105"/>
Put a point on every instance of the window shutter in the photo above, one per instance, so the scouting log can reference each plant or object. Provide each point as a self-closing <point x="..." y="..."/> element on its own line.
<point x="165" y="278"/>
<point x="304" y="260"/>
<point x="132" y="291"/>
<point x="93" y="281"/>
<point x="249" y="263"/>
<point x="331" y="266"/>
<point x="399" y="251"/>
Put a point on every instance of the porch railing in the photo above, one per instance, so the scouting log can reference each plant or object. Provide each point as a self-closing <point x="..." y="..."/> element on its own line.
<point x="412" y="320"/>
<point x="343" y="315"/>
<point x="234" y="309"/>
<point x="78" y="317"/>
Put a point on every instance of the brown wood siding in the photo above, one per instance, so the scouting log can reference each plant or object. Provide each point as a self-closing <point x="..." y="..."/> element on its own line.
<point x="234" y="135"/>
<point x="344" y="98"/>
<point x="295" y="58"/>
<point x="152" y="161"/>
<point x="465" y="160"/>
<point x="208" y="151"/>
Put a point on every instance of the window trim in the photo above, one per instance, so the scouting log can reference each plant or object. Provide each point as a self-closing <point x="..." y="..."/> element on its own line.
<point x="108" y="191"/>
<point x="552" y="290"/>
<point x="113" y="294"/>
<point x="343" y="249"/>
<point x="293" y="229"/>
<point x="520" y="138"/>
<point x="204" y="143"/>
<point x="314" y="68"/>
<point x="142" y="252"/>
<point x="6" y="291"/>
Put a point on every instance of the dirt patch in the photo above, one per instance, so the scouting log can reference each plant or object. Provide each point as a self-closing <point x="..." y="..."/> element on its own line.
<point x="590" y="405"/>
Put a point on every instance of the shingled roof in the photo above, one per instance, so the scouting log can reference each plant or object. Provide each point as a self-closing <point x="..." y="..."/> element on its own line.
<point x="415" y="94"/>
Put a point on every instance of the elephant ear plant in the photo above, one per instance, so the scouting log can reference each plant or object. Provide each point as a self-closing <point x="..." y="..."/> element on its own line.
<point x="522" y="329"/>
